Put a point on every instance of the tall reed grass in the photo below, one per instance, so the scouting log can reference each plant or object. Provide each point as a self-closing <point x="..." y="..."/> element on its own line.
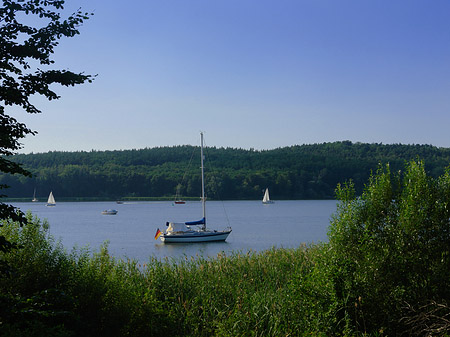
<point x="277" y="292"/>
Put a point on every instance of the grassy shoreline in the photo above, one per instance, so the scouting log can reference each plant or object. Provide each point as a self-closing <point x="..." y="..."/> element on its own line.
<point x="82" y="294"/>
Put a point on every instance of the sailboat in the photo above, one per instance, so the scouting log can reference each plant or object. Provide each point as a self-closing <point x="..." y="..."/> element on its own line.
<point x="193" y="231"/>
<point x="51" y="200"/>
<point x="178" y="199"/>
<point x="266" y="198"/>
<point x="34" y="196"/>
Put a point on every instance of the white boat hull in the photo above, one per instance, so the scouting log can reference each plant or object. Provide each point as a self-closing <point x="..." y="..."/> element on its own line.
<point x="194" y="236"/>
<point x="111" y="212"/>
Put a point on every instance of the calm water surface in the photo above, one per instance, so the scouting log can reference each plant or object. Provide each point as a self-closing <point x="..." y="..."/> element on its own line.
<point x="131" y="232"/>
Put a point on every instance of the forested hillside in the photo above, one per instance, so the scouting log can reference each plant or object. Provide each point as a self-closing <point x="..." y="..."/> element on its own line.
<point x="296" y="172"/>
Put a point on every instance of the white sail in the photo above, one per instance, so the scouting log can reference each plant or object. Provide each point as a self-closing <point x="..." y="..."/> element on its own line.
<point x="51" y="200"/>
<point x="266" y="195"/>
<point x="178" y="199"/>
<point x="266" y="198"/>
<point x="34" y="196"/>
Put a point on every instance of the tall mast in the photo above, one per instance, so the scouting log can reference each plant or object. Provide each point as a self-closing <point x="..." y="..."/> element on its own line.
<point x="203" y="181"/>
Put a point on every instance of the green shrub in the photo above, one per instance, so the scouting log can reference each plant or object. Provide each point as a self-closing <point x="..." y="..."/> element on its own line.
<point x="53" y="293"/>
<point x="390" y="248"/>
<point x="33" y="296"/>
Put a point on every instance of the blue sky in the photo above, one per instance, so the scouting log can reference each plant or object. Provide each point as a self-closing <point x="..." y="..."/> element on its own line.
<point x="251" y="74"/>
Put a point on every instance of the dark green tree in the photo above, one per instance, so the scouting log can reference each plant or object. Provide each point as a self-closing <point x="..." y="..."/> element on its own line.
<point x="24" y="48"/>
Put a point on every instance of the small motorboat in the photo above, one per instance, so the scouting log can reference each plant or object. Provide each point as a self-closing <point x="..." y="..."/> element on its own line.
<point x="109" y="212"/>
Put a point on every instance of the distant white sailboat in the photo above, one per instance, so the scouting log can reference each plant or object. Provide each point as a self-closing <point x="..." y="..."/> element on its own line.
<point x="51" y="200"/>
<point x="266" y="198"/>
<point x="178" y="199"/>
<point x="34" y="196"/>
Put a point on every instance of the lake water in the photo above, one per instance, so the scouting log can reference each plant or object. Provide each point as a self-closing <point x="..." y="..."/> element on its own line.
<point x="131" y="232"/>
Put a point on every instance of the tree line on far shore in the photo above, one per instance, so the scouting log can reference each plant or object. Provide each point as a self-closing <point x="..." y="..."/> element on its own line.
<point x="295" y="172"/>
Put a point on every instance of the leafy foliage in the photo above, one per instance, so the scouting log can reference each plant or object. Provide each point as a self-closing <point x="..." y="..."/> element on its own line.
<point x="23" y="48"/>
<point x="390" y="247"/>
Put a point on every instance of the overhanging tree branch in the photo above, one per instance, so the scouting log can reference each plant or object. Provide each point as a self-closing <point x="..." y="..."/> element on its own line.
<point x="20" y="44"/>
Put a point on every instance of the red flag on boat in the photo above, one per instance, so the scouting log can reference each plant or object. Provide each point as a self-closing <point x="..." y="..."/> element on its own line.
<point x="158" y="233"/>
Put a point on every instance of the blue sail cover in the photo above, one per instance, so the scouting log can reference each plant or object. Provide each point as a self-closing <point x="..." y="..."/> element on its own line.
<point x="198" y="222"/>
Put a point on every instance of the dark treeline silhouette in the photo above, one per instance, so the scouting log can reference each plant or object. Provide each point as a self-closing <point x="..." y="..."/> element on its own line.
<point x="296" y="172"/>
